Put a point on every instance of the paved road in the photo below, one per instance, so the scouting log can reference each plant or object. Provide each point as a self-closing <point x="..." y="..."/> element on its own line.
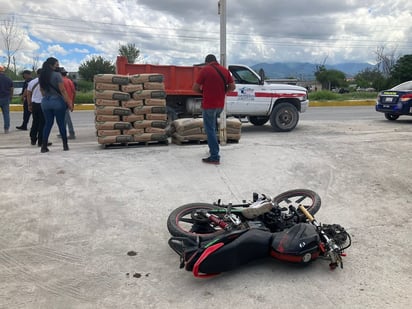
<point x="68" y="219"/>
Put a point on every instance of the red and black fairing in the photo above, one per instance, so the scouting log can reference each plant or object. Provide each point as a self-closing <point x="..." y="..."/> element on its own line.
<point x="228" y="252"/>
<point x="299" y="244"/>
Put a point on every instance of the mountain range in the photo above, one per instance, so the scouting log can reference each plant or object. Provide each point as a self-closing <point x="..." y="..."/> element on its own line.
<point x="306" y="70"/>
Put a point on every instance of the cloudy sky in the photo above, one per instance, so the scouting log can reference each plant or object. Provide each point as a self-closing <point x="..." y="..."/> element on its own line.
<point x="182" y="32"/>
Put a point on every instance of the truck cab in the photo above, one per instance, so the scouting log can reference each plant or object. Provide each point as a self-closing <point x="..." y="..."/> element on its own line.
<point x="261" y="102"/>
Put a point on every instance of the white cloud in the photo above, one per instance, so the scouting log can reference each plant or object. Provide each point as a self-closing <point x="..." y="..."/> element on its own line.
<point x="56" y="50"/>
<point x="182" y="32"/>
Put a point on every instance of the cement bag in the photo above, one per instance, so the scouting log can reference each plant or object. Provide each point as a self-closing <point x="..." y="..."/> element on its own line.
<point x="111" y="95"/>
<point x="107" y="118"/>
<point x="109" y="125"/>
<point x="154" y="86"/>
<point x="143" y="110"/>
<point x="146" y="137"/>
<point x="115" y="139"/>
<point x="112" y="79"/>
<point x="131" y="87"/>
<point x="149" y="124"/>
<point x="154" y="130"/>
<point x="112" y="110"/>
<point x="233" y="123"/>
<point x="156" y="117"/>
<point x="149" y="94"/>
<point x="155" y="102"/>
<point x="106" y="86"/>
<point x="133" y="131"/>
<point x="144" y="78"/>
<point x="133" y="118"/>
<point x="108" y="132"/>
<point x="183" y="124"/>
<point x="132" y="103"/>
<point x="104" y="102"/>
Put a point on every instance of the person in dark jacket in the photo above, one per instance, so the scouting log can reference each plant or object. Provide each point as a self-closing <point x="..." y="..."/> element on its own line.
<point x="26" y="113"/>
<point x="6" y="94"/>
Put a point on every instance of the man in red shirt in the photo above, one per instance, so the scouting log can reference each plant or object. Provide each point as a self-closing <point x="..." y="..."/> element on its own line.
<point x="71" y="92"/>
<point x="213" y="82"/>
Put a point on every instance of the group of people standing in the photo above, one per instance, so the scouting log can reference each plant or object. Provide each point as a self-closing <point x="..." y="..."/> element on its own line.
<point x="47" y="97"/>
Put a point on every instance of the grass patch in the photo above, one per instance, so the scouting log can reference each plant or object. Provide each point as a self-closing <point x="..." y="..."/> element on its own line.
<point x="325" y="95"/>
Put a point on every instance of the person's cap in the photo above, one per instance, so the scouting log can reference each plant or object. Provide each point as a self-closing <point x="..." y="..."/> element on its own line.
<point x="2" y="69"/>
<point x="210" y="58"/>
<point x="63" y="70"/>
<point x="27" y="72"/>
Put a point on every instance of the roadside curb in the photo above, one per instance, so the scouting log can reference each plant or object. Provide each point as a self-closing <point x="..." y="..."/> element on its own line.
<point x="79" y="107"/>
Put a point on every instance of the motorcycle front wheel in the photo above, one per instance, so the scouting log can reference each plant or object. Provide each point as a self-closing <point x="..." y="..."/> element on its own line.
<point x="307" y="198"/>
<point x="188" y="221"/>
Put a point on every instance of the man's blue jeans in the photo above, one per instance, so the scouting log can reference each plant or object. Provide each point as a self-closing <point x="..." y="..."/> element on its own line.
<point x="5" y="108"/>
<point x="54" y="106"/>
<point x="210" y="117"/>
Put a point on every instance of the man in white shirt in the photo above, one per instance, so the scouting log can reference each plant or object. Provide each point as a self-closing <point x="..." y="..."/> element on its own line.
<point x="34" y="97"/>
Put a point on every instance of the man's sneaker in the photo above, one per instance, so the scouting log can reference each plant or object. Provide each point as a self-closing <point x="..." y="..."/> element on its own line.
<point x="210" y="161"/>
<point x="257" y="209"/>
<point x="6" y="131"/>
<point x="71" y="137"/>
<point x="21" y="128"/>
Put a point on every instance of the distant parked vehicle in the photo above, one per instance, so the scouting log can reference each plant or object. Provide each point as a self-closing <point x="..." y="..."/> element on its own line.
<point x="18" y="87"/>
<point x="395" y="101"/>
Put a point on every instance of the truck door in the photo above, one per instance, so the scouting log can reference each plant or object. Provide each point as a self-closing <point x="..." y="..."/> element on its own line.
<point x="247" y="99"/>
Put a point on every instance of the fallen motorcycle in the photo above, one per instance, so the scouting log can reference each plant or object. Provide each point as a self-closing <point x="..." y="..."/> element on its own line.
<point x="274" y="214"/>
<point x="223" y="237"/>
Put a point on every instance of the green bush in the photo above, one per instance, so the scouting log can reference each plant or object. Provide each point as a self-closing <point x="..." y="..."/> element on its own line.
<point x="84" y="97"/>
<point x="325" y="95"/>
<point x="84" y="85"/>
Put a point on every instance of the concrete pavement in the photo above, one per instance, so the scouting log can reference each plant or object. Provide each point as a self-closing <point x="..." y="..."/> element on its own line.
<point x="69" y="219"/>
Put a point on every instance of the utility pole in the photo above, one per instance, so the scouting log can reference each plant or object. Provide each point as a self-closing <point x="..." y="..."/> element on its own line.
<point x="222" y="13"/>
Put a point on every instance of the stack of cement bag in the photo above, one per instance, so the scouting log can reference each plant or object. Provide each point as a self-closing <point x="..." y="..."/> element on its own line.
<point x="130" y="109"/>
<point x="191" y="130"/>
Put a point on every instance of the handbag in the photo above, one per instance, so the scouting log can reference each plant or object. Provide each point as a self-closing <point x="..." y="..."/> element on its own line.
<point x="223" y="78"/>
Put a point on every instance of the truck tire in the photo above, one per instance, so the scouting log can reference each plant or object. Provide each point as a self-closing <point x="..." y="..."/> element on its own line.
<point x="284" y="117"/>
<point x="258" y="120"/>
<point x="390" y="116"/>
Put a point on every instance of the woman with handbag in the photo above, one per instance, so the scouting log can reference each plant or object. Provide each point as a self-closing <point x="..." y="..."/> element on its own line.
<point x="55" y="101"/>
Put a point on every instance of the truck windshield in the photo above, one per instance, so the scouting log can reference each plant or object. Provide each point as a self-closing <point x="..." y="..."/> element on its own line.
<point x="242" y="75"/>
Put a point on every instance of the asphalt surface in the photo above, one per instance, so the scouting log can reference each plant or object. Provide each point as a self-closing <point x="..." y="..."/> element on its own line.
<point x="69" y="219"/>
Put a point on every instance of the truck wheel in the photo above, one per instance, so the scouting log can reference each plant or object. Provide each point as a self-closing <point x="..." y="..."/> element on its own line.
<point x="284" y="117"/>
<point x="258" y="120"/>
<point x="390" y="116"/>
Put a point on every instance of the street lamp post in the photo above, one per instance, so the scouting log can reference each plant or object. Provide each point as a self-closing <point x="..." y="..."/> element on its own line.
<point x="222" y="13"/>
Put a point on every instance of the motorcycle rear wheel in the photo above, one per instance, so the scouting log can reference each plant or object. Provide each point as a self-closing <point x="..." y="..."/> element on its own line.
<point x="182" y="222"/>
<point x="307" y="198"/>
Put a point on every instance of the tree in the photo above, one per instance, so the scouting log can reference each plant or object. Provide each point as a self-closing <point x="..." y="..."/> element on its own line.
<point x="371" y="78"/>
<point x="12" y="40"/>
<point x="130" y="52"/>
<point x="402" y="70"/>
<point x="330" y="78"/>
<point x="96" y="65"/>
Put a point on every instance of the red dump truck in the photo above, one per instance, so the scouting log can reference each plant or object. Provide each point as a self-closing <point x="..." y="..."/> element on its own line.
<point x="253" y="99"/>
